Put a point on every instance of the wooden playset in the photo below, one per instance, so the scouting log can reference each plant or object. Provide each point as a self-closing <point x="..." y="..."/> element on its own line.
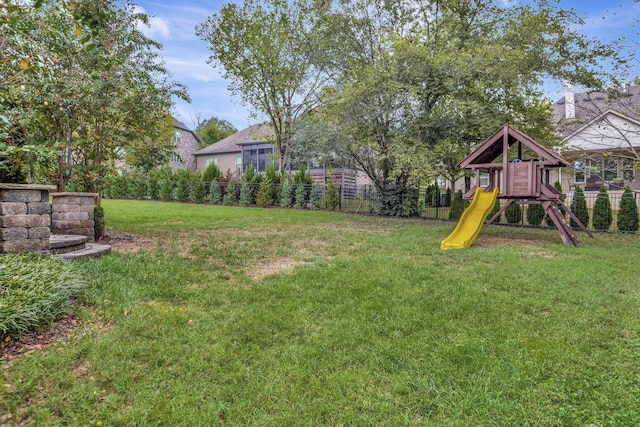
<point x="524" y="181"/>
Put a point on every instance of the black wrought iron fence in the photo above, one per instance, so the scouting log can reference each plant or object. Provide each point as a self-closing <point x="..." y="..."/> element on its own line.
<point x="620" y="211"/>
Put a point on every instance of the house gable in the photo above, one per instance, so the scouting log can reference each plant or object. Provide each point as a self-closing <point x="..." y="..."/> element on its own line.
<point x="186" y="143"/>
<point x="611" y="130"/>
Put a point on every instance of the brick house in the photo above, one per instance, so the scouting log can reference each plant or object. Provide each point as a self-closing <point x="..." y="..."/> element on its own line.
<point x="187" y="143"/>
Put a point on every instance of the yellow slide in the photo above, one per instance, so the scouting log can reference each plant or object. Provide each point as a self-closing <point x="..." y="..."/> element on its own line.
<point x="471" y="221"/>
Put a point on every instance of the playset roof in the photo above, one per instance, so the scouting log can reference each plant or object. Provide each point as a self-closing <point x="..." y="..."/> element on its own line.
<point x="493" y="147"/>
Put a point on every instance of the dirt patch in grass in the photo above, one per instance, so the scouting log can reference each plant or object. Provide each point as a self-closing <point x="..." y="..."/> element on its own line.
<point x="13" y="347"/>
<point x="128" y="243"/>
<point x="281" y="265"/>
<point x="498" y="242"/>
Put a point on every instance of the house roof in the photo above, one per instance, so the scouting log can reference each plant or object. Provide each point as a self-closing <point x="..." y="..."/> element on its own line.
<point x="591" y="105"/>
<point x="493" y="147"/>
<point x="255" y="134"/>
<point x="179" y="125"/>
<point x="605" y="116"/>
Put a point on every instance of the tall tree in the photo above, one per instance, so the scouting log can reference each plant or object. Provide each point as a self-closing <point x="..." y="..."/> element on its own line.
<point x="103" y="88"/>
<point x="268" y="53"/>
<point x="213" y="130"/>
<point x="440" y="76"/>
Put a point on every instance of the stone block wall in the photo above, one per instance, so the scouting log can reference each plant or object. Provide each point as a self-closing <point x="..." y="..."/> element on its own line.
<point x="25" y="218"/>
<point x="72" y="213"/>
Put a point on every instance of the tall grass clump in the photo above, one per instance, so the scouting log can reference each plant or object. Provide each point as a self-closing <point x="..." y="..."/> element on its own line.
<point x="35" y="291"/>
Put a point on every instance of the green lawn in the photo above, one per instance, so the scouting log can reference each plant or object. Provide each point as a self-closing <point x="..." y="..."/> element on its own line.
<point x="268" y="317"/>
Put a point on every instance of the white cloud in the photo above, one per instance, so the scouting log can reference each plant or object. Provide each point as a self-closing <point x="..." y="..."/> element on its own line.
<point x="157" y="28"/>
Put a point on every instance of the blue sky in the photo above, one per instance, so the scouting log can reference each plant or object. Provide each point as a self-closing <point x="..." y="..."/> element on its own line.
<point x="173" y="25"/>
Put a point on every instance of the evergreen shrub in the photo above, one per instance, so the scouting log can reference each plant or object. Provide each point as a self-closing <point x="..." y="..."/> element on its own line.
<point x="602" y="215"/>
<point x="245" y="194"/>
<point x="457" y="205"/>
<point x="579" y="208"/>
<point x="230" y="196"/>
<point x="513" y="213"/>
<point x="286" y="193"/>
<point x="214" y="193"/>
<point x="265" y="197"/>
<point x="628" y="212"/>
<point x="535" y="214"/>
<point x="314" y="196"/>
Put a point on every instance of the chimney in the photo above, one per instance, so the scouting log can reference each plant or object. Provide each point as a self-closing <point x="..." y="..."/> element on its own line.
<point x="569" y="101"/>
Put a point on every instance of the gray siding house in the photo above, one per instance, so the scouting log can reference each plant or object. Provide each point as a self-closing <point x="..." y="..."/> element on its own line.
<point x="600" y="134"/>
<point x="236" y="152"/>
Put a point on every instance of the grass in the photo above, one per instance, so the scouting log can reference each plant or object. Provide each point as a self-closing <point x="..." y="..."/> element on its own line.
<point x="232" y="316"/>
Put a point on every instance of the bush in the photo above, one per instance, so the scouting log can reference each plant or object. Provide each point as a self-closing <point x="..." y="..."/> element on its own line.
<point x="513" y="213"/>
<point x="265" y="194"/>
<point x="430" y="194"/>
<point x="301" y="196"/>
<point x="35" y="291"/>
<point x="496" y="208"/>
<point x="271" y="173"/>
<point x="331" y="195"/>
<point x="628" y="212"/>
<point x="302" y="176"/>
<point x="212" y="172"/>
<point x="286" y="194"/>
<point x="245" y="194"/>
<point x="230" y="197"/>
<point x="182" y="188"/>
<point x="198" y="191"/>
<point x="535" y="214"/>
<point x="602" y="215"/>
<point x="138" y="186"/>
<point x="314" y="196"/>
<point x="166" y="189"/>
<point x="98" y="222"/>
<point x="447" y="198"/>
<point x="152" y="186"/>
<point x="214" y="193"/>
<point x="457" y="205"/>
<point x="251" y="175"/>
<point x="579" y="208"/>
<point x="547" y="219"/>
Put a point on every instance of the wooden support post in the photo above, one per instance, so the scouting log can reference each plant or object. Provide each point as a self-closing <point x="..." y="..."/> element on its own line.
<point x="576" y="220"/>
<point x="566" y="233"/>
<point x="502" y="209"/>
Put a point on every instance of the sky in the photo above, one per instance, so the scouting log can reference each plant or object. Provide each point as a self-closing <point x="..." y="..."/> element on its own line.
<point x="185" y="55"/>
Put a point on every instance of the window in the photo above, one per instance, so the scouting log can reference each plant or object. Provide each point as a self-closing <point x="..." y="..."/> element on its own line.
<point x="628" y="168"/>
<point x="209" y="161"/>
<point x="177" y="137"/>
<point x="484" y="180"/>
<point x="579" y="168"/>
<point x="239" y="164"/>
<point x="175" y="158"/>
<point x="259" y="155"/>
<point x="609" y="169"/>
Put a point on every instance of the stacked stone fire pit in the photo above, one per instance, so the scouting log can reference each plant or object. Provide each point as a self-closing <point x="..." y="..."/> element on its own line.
<point x="30" y="223"/>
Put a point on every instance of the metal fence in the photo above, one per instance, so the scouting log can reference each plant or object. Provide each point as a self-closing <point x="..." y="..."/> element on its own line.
<point x="366" y="199"/>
